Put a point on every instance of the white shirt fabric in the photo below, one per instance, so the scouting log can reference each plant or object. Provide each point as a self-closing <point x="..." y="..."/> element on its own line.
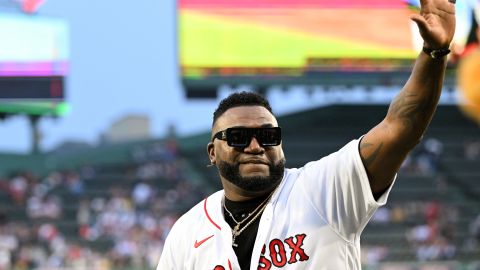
<point x="313" y="221"/>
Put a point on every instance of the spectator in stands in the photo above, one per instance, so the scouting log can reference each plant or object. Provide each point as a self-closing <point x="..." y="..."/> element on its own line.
<point x="475" y="234"/>
<point x="18" y="189"/>
<point x="74" y="183"/>
<point x="432" y="238"/>
<point x="53" y="180"/>
<point x="142" y="194"/>
<point x="398" y="214"/>
<point x="472" y="149"/>
<point x="381" y="216"/>
<point x="48" y="206"/>
<point x="425" y="157"/>
<point x="4" y="186"/>
<point x="8" y="245"/>
<point x="374" y="255"/>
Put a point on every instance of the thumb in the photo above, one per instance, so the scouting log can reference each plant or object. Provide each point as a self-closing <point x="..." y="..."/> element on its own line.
<point x="421" y="22"/>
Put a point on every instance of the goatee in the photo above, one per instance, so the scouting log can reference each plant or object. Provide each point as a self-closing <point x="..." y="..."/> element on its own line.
<point x="231" y="172"/>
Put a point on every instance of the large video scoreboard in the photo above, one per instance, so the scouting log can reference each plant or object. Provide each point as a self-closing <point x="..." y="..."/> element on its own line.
<point x="34" y="62"/>
<point x="287" y="42"/>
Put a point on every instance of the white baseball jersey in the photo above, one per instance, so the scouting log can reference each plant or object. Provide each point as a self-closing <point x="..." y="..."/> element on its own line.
<point x="313" y="221"/>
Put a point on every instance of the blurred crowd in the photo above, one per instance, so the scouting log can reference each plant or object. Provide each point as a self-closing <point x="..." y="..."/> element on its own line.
<point x="62" y="220"/>
<point x="430" y="228"/>
<point x="118" y="217"/>
<point x="424" y="159"/>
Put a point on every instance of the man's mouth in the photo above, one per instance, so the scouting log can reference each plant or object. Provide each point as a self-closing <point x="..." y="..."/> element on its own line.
<point x="254" y="161"/>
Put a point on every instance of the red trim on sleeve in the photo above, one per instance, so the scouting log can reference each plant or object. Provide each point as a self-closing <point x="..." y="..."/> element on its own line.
<point x="229" y="265"/>
<point x="208" y="216"/>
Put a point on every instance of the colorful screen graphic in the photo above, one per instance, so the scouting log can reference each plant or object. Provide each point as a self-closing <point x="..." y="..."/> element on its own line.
<point x="33" y="46"/>
<point x="241" y="37"/>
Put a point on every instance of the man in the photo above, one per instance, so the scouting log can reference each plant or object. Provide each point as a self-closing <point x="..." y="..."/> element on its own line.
<point x="268" y="217"/>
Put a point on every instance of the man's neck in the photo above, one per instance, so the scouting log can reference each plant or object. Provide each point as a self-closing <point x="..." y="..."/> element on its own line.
<point x="235" y="194"/>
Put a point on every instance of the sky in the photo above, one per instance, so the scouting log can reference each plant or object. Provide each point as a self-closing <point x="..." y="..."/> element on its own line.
<point x="123" y="61"/>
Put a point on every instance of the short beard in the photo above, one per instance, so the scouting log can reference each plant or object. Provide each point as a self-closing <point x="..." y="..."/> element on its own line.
<point x="255" y="184"/>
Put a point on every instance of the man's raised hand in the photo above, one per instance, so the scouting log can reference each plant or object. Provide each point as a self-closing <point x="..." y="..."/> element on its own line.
<point x="436" y="22"/>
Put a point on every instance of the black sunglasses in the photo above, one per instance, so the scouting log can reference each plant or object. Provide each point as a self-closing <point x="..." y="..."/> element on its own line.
<point x="241" y="137"/>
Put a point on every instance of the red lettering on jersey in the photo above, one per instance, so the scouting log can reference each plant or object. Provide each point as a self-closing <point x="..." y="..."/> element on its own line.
<point x="277" y="253"/>
<point x="264" y="263"/>
<point x="297" y="248"/>
<point x="219" y="267"/>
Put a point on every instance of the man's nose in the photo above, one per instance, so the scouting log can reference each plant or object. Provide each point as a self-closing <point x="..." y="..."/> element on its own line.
<point x="254" y="146"/>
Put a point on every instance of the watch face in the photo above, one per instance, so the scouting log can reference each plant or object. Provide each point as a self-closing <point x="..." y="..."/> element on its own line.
<point x="439" y="53"/>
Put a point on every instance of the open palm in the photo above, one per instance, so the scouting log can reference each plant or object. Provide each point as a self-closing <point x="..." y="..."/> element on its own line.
<point x="436" y="23"/>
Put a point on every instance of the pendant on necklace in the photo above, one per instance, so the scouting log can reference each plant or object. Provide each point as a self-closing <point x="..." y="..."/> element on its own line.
<point x="235" y="230"/>
<point x="235" y="233"/>
<point x="233" y="241"/>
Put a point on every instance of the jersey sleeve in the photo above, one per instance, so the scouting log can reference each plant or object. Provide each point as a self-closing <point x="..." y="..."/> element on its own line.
<point x="339" y="189"/>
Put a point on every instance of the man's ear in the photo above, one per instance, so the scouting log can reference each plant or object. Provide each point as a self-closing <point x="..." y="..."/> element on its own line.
<point x="211" y="153"/>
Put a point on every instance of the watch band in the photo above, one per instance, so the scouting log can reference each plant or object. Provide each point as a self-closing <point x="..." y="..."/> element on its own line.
<point x="436" y="53"/>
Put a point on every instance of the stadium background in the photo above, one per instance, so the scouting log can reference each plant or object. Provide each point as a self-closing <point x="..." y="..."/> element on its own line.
<point x="109" y="203"/>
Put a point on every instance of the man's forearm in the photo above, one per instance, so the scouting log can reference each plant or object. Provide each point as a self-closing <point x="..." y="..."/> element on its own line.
<point x="412" y="110"/>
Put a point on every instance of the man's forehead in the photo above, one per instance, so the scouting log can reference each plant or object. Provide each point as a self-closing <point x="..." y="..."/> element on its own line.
<point x="246" y="116"/>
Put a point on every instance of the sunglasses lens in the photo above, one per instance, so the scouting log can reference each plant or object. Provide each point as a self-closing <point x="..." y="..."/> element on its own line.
<point x="269" y="136"/>
<point x="238" y="137"/>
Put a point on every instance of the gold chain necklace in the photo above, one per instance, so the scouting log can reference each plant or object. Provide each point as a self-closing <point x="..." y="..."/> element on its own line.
<point x="257" y="212"/>
<point x="249" y="214"/>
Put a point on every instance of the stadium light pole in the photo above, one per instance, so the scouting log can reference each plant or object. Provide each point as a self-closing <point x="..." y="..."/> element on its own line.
<point x="35" y="134"/>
